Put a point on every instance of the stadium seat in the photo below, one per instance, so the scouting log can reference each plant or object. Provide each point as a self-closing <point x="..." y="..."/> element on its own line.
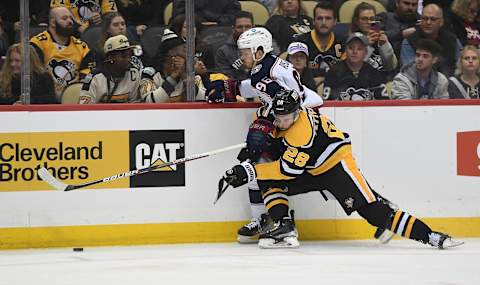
<point x="33" y="31"/>
<point x="258" y="10"/>
<point x="71" y="94"/>
<point x="347" y="8"/>
<point x="151" y="39"/>
<point x="167" y="13"/>
<point x="309" y="6"/>
<point x="92" y="36"/>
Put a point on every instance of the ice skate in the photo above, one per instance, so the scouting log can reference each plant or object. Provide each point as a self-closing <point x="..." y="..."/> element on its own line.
<point x="250" y="232"/>
<point x="442" y="241"/>
<point x="383" y="235"/>
<point x="282" y="235"/>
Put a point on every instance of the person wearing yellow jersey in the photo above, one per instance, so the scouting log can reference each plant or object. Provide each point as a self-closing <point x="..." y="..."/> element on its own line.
<point x="86" y="12"/>
<point x="316" y="155"/>
<point x="67" y="58"/>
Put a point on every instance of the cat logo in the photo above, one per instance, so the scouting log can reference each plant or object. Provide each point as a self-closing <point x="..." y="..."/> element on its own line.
<point x="153" y="148"/>
<point x="86" y="8"/>
<point x="158" y="154"/>
<point x="63" y="71"/>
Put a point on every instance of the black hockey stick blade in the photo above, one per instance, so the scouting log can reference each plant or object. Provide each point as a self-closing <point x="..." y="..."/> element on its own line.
<point x="221" y="189"/>
<point x="55" y="183"/>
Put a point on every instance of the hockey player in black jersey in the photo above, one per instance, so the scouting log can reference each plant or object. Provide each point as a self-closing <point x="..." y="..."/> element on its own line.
<point x="315" y="154"/>
<point x="268" y="75"/>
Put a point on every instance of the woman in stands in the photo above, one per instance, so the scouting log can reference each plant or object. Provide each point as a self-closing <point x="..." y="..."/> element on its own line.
<point x="289" y="21"/>
<point x="466" y="82"/>
<point x="380" y="53"/>
<point x="114" y="24"/>
<point x="298" y="57"/>
<point x="41" y="84"/>
<point x="464" y="21"/>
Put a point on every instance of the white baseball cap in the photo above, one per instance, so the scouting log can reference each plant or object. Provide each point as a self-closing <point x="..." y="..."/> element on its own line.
<point x="295" y="47"/>
<point x="119" y="42"/>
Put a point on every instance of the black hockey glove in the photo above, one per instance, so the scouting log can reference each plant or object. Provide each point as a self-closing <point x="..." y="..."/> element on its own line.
<point x="258" y="136"/>
<point x="240" y="174"/>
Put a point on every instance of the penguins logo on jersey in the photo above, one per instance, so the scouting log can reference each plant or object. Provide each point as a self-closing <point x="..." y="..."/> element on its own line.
<point x="375" y="61"/>
<point x="323" y="62"/>
<point x="63" y="71"/>
<point x="86" y="8"/>
<point x="353" y="94"/>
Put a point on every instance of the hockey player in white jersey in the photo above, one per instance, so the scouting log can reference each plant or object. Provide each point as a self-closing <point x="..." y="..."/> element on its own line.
<point x="268" y="75"/>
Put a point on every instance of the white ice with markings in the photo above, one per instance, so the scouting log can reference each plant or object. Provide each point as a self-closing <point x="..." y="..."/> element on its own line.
<point x="336" y="262"/>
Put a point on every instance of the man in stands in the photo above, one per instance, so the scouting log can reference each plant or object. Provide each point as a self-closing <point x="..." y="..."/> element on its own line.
<point x="419" y="79"/>
<point x="227" y="57"/>
<point x="116" y="81"/>
<point x="67" y="58"/>
<point x="431" y="28"/>
<point x="325" y="47"/>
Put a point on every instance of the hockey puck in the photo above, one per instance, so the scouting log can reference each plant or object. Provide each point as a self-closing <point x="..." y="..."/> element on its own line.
<point x="78" y="249"/>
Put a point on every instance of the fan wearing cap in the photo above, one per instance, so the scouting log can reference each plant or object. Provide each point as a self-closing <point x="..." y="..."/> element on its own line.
<point x="353" y="78"/>
<point x="116" y="81"/>
<point x="165" y="82"/>
<point x="298" y="57"/>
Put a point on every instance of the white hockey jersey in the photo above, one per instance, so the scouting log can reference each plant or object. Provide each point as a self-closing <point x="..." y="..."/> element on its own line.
<point x="99" y="89"/>
<point x="273" y="74"/>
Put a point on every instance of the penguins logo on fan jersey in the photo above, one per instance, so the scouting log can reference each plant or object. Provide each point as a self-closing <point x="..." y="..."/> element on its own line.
<point x="352" y="94"/>
<point x="375" y="61"/>
<point x="323" y="62"/>
<point x="86" y="8"/>
<point x="63" y="71"/>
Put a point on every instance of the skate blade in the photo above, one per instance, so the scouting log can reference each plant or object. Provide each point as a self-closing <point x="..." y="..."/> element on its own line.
<point x="288" y="242"/>
<point x="449" y="243"/>
<point x="247" y="239"/>
<point x="385" y="237"/>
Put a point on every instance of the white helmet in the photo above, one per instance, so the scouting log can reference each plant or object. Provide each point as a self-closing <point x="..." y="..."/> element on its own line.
<point x="254" y="39"/>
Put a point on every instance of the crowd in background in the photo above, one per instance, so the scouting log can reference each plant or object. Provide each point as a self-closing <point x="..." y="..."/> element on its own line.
<point x="109" y="51"/>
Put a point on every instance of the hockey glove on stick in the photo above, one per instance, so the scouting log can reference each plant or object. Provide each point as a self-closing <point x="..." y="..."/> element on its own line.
<point x="237" y="176"/>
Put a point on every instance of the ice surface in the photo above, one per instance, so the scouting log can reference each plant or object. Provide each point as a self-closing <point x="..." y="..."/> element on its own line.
<point x="336" y="262"/>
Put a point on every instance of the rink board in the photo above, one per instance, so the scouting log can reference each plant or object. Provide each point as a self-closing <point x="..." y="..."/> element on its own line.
<point x="424" y="157"/>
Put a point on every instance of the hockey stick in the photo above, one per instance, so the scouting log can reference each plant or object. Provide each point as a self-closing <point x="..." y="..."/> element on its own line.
<point x="55" y="183"/>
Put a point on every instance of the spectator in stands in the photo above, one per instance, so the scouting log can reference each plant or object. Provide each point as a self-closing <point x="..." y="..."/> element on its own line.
<point x="10" y="14"/>
<point x="210" y="13"/>
<point x="113" y="24"/>
<point x="464" y="21"/>
<point x="68" y="59"/>
<point x="116" y="81"/>
<point x="466" y="82"/>
<point x="419" y="79"/>
<point x="324" y="46"/>
<point x="431" y="23"/>
<point x="401" y="23"/>
<point x="87" y="13"/>
<point x="166" y="82"/>
<point x="289" y="21"/>
<point x="142" y="14"/>
<point x="41" y="82"/>
<point x="353" y="79"/>
<point x="4" y="42"/>
<point x="298" y="57"/>
<point x="380" y="52"/>
<point x="227" y="58"/>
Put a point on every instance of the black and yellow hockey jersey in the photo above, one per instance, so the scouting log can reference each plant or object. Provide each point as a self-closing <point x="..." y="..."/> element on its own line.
<point x="67" y="64"/>
<point x="312" y="144"/>
<point x="320" y="60"/>
<point x="82" y="10"/>
<point x="343" y="84"/>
